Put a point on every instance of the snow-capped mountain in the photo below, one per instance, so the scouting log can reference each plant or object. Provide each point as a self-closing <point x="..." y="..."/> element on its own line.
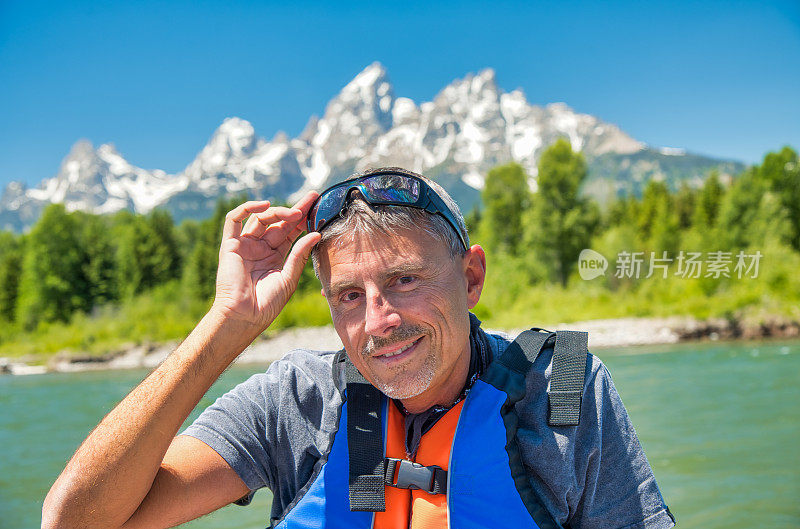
<point x="469" y="127"/>
<point x="353" y="123"/>
<point x="236" y="160"/>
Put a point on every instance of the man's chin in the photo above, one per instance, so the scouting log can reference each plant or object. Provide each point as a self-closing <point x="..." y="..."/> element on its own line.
<point x="406" y="389"/>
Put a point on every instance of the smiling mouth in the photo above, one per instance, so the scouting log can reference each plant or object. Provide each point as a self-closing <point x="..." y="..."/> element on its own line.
<point x="399" y="352"/>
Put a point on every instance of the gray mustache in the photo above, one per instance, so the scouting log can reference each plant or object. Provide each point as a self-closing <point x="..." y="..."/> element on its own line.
<point x="400" y="334"/>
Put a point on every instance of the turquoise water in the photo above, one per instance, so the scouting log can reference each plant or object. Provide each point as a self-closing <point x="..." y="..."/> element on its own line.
<point x="720" y="424"/>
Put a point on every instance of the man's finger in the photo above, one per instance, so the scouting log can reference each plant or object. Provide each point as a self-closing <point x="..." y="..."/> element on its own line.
<point x="249" y="225"/>
<point x="236" y="216"/>
<point x="278" y="233"/>
<point x="305" y="203"/>
<point x="299" y="256"/>
<point x="277" y="214"/>
<point x="263" y="222"/>
<point x="299" y="228"/>
<point x="283" y="248"/>
<point x="255" y="229"/>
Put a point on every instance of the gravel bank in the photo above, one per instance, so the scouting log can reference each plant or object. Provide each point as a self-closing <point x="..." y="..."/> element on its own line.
<point x="621" y="332"/>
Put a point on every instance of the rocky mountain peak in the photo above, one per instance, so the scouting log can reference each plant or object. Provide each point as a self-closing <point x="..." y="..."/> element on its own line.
<point x="367" y="99"/>
<point x="471" y="88"/>
<point x="235" y="136"/>
<point x="280" y="138"/>
<point x="83" y="180"/>
<point x="310" y="129"/>
<point x="81" y="150"/>
<point x="470" y="126"/>
<point x="233" y="141"/>
<point x="353" y="122"/>
<point x="12" y="194"/>
<point x="370" y="78"/>
<point x="107" y="149"/>
<point x="81" y="163"/>
<point x="486" y="79"/>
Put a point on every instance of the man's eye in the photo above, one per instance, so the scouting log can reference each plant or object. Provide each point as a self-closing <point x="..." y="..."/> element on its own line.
<point x="406" y="280"/>
<point x="350" y="296"/>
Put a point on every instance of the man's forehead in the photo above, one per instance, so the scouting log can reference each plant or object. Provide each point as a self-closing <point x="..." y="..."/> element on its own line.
<point x="380" y="250"/>
<point x="368" y="242"/>
<point x="396" y="252"/>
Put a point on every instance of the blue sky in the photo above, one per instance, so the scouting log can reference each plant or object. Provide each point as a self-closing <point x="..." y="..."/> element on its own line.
<point x="156" y="78"/>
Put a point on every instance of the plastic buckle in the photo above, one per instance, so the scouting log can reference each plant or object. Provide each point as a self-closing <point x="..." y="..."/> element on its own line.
<point x="415" y="476"/>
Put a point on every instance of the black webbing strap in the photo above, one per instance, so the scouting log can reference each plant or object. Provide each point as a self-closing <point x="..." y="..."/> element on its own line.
<point x="522" y="352"/>
<point x="364" y="443"/>
<point x="567" y="379"/>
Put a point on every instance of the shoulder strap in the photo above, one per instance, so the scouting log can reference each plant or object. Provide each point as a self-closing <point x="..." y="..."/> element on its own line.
<point x="364" y="443"/>
<point x="570" y="351"/>
<point x="522" y="352"/>
<point x="567" y="379"/>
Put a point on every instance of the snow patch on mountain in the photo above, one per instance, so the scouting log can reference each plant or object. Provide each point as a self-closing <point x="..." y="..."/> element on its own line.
<point x="672" y="151"/>
<point x="470" y="126"/>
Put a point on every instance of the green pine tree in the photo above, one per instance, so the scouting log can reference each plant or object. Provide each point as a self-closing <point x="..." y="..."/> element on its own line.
<point x="53" y="284"/>
<point x="505" y="197"/>
<point x="708" y="203"/>
<point x="658" y="219"/>
<point x="200" y="270"/>
<point x="685" y="200"/>
<point x="10" y="271"/>
<point x="740" y="209"/>
<point x="165" y="262"/>
<point x="781" y="171"/>
<point x="561" y="222"/>
<point x="100" y="265"/>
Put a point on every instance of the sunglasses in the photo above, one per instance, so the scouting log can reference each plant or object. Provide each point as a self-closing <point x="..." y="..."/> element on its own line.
<point x="380" y="189"/>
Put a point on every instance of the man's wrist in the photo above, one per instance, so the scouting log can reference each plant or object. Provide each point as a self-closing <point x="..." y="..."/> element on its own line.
<point x="224" y="321"/>
<point x="223" y="336"/>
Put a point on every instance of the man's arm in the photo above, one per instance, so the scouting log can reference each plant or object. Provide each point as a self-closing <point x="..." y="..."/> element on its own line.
<point x="619" y="488"/>
<point x="130" y="472"/>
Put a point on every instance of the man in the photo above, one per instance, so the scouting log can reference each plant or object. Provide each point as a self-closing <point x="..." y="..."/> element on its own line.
<point x="461" y="438"/>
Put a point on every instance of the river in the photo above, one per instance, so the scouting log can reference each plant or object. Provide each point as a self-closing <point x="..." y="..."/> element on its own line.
<point x="720" y="423"/>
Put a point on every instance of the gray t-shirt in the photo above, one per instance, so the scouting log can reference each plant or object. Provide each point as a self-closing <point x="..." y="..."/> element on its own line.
<point x="272" y="429"/>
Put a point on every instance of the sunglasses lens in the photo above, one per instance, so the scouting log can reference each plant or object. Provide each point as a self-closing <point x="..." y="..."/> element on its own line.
<point x="379" y="189"/>
<point x="328" y="206"/>
<point x="391" y="188"/>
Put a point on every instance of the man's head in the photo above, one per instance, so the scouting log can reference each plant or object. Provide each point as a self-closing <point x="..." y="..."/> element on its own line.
<point x="435" y="210"/>
<point x="400" y="281"/>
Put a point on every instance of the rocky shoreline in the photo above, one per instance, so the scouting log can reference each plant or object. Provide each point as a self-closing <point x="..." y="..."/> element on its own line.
<point x="622" y="332"/>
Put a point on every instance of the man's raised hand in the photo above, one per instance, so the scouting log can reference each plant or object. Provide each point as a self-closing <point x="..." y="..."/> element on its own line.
<point x="259" y="266"/>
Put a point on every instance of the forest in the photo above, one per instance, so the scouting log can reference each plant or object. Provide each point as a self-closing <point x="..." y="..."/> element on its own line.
<point x="727" y="249"/>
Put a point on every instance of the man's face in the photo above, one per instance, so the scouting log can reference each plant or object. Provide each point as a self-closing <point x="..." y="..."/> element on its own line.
<point x="400" y="305"/>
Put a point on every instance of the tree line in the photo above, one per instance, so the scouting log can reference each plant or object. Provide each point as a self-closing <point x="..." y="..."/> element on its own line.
<point x="75" y="262"/>
<point x="542" y="233"/>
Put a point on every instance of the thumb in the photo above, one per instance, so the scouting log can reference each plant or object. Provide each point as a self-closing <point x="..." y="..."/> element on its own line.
<point x="299" y="255"/>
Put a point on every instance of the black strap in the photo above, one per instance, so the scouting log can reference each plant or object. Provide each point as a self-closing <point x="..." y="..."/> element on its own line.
<point x="522" y="352"/>
<point x="364" y="443"/>
<point x="570" y="350"/>
<point x="567" y="379"/>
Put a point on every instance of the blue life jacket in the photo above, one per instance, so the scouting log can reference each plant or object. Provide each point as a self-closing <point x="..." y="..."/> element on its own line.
<point x="486" y="484"/>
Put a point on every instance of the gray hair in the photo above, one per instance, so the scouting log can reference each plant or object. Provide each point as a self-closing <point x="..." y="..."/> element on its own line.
<point x="361" y="218"/>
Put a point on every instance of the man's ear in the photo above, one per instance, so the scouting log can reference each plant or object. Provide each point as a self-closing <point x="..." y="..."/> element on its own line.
<point x="474" y="263"/>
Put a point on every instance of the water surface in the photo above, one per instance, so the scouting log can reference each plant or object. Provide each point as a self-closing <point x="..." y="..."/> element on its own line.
<point x="720" y="424"/>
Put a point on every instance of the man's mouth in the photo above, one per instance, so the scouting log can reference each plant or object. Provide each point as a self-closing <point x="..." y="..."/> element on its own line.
<point x="400" y="352"/>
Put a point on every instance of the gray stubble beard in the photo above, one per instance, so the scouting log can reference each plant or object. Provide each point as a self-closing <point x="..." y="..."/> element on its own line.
<point x="405" y="389"/>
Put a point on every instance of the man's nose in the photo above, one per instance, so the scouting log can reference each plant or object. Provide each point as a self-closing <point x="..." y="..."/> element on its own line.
<point x="380" y="318"/>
